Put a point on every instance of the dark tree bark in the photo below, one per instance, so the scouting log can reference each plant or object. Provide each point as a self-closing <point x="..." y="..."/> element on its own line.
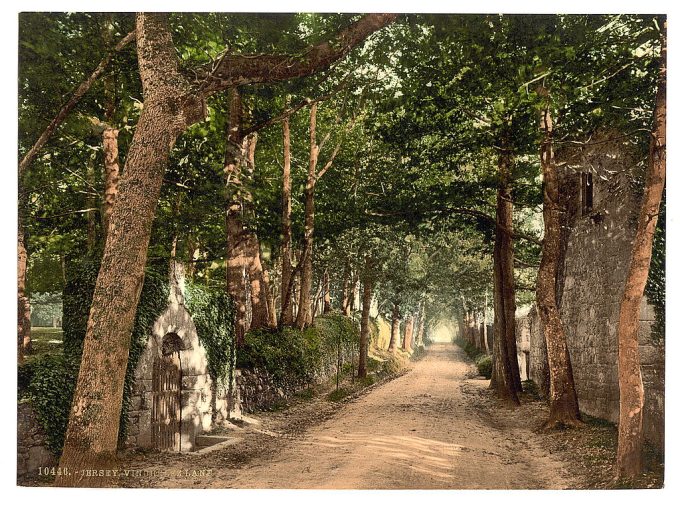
<point x="505" y="375"/>
<point x="630" y="439"/>
<point x="394" y="333"/>
<point x="366" y="298"/>
<point x="169" y="107"/>
<point x="564" y="410"/>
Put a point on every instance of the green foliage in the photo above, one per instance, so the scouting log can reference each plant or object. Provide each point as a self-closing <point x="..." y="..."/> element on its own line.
<point x="213" y="314"/>
<point x="51" y="388"/>
<point x="77" y="298"/>
<point x="294" y="357"/>
<point x="484" y="365"/>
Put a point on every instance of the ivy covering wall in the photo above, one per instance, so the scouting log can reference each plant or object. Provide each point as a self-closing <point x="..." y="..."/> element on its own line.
<point x="52" y="379"/>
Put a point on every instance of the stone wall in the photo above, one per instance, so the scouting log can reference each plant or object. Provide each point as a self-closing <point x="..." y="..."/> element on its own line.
<point x="595" y="262"/>
<point x="257" y="389"/>
<point x="32" y="451"/>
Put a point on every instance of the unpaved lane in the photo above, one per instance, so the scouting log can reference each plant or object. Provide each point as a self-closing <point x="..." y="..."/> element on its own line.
<point x="425" y="429"/>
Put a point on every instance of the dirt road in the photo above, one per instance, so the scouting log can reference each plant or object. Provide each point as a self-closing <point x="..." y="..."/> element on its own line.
<point x="425" y="429"/>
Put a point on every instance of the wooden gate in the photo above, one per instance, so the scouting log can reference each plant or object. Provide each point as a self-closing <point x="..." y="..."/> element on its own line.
<point x="166" y="412"/>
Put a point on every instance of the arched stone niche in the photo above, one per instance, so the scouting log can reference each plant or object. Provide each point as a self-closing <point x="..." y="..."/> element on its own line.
<point x="174" y="330"/>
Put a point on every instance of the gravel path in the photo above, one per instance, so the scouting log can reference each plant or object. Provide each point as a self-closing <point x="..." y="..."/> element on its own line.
<point x="425" y="429"/>
<point x="435" y="427"/>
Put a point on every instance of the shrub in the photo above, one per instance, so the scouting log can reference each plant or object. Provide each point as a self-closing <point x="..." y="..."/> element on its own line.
<point x="484" y="365"/>
<point x="293" y="357"/>
<point x="51" y="390"/>
<point x="53" y="378"/>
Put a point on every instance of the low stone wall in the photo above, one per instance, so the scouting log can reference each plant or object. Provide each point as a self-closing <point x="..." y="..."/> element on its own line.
<point x="32" y="451"/>
<point x="257" y="389"/>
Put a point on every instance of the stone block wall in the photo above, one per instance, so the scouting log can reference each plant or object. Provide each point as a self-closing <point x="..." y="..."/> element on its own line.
<point x="32" y="451"/>
<point x="592" y="278"/>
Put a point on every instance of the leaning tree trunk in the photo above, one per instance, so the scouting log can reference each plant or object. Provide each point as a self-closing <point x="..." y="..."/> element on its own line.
<point x="286" y="251"/>
<point x="304" y="316"/>
<point x="394" y="334"/>
<point x="564" y="410"/>
<point x="629" y="453"/>
<point x="364" y="335"/>
<point x="505" y="374"/>
<point x="92" y="433"/>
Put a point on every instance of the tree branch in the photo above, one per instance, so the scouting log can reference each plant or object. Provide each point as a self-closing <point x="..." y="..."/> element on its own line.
<point x="68" y="107"/>
<point x="235" y="70"/>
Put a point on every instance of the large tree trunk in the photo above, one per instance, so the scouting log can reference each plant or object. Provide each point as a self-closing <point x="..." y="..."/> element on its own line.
<point x="304" y="316"/>
<point x="286" y="252"/>
<point x="505" y="375"/>
<point x="92" y="433"/>
<point x="364" y="335"/>
<point x="564" y="410"/>
<point x="238" y="259"/>
<point x="394" y="333"/>
<point x="630" y="440"/>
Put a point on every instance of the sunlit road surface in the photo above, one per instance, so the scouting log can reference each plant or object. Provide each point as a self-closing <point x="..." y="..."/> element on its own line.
<point x="419" y="431"/>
